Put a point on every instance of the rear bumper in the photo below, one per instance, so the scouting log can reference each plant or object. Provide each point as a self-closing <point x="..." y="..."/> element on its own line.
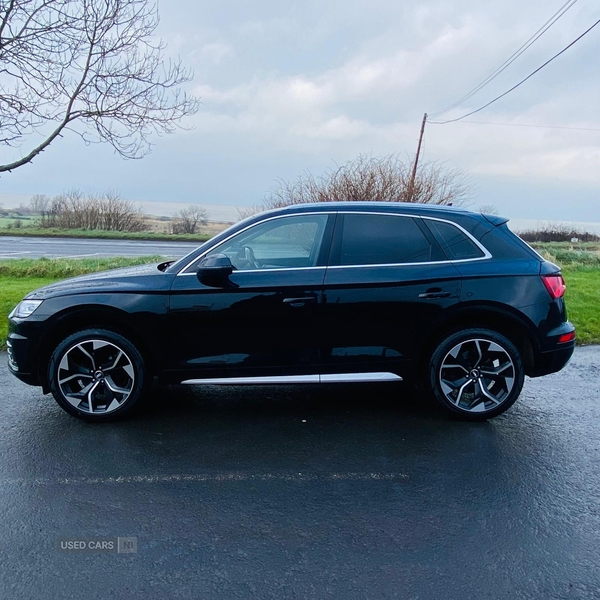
<point x="553" y="360"/>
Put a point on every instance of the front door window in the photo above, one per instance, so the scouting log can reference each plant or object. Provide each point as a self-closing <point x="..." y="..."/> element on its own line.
<point x="287" y="242"/>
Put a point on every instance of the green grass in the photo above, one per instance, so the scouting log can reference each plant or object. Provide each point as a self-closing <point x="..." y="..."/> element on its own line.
<point x="100" y="234"/>
<point x="583" y="302"/>
<point x="19" y="277"/>
<point x="61" y="268"/>
<point x="4" y="221"/>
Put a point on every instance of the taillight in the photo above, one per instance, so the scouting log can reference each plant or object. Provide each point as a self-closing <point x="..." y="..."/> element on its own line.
<point x="566" y="337"/>
<point x="555" y="284"/>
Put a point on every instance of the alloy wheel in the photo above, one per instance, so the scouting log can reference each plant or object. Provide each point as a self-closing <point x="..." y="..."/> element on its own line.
<point x="96" y="376"/>
<point x="477" y="375"/>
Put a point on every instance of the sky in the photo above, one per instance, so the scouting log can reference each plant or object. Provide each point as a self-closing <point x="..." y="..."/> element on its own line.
<point x="289" y="86"/>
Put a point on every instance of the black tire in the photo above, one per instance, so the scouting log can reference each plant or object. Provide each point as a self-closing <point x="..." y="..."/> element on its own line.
<point x="454" y="363"/>
<point x="72" y="370"/>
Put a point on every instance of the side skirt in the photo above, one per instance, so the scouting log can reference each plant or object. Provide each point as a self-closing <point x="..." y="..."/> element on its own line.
<point x="289" y="379"/>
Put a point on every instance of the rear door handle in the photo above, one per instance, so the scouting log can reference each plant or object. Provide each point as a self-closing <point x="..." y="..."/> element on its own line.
<point x="434" y="295"/>
<point x="297" y="302"/>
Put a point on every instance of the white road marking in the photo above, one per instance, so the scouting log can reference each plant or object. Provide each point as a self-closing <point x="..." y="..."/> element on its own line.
<point x="208" y="478"/>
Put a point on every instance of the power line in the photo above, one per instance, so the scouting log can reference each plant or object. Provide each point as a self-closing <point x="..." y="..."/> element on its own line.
<point x="520" y="82"/>
<point x="536" y="36"/>
<point x="527" y="125"/>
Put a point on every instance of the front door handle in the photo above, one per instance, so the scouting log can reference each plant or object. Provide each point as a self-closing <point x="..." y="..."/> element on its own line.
<point x="297" y="302"/>
<point x="434" y="294"/>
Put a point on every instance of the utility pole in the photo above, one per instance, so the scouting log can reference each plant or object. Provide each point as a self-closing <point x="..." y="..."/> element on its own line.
<point x="414" y="172"/>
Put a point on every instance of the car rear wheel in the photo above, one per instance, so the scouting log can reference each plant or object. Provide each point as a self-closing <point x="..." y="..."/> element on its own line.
<point x="476" y="374"/>
<point x="97" y="375"/>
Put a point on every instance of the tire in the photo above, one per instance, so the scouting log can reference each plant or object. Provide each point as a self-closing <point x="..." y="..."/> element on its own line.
<point x="476" y="374"/>
<point x="101" y="366"/>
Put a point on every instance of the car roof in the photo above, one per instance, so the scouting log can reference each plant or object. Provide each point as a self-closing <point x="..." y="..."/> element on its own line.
<point x="360" y="206"/>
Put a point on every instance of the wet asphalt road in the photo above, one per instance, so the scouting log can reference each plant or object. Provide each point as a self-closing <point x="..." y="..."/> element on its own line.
<point x="306" y="492"/>
<point x="23" y="247"/>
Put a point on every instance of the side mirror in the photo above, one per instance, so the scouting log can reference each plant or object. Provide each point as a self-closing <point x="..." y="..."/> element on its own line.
<point x="214" y="270"/>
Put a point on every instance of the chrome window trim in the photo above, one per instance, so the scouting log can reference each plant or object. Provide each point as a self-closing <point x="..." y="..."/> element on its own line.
<point x="413" y="264"/>
<point x="267" y="270"/>
<point x="486" y="253"/>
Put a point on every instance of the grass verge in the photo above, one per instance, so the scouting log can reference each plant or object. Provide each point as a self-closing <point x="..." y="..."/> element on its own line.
<point x="61" y="268"/>
<point x="583" y="302"/>
<point x="104" y="235"/>
<point x="570" y="255"/>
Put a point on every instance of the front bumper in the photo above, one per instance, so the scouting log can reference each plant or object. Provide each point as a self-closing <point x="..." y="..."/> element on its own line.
<point x="19" y="350"/>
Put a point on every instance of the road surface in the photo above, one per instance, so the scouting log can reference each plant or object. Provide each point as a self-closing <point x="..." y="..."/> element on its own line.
<point x="305" y="492"/>
<point x="24" y="247"/>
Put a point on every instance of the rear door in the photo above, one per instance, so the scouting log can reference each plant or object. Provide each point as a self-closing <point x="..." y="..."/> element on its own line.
<point x="387" y="280"/>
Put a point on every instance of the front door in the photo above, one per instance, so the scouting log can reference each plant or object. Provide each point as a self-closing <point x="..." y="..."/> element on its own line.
<point x="265" y="320"/>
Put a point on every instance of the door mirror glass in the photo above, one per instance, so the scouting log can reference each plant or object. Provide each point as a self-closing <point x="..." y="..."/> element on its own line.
<point x="214" y="270"/>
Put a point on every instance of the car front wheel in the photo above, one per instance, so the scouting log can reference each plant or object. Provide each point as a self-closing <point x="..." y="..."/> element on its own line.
<point x="97" y="375"/>
<point x="476" y="374"/>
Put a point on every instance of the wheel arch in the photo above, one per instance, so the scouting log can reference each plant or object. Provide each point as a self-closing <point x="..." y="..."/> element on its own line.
<point x="486" y="316"/>
<point x="89" y="316"/>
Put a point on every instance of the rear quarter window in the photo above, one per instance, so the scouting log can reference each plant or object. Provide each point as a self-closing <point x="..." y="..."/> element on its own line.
<point x="455" y="243"/>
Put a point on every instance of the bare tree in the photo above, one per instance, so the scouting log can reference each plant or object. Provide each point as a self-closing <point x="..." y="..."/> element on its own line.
<point x="368" y="178"/>
<point x="75" y="210"/>
<point x="39" y="203"/>
<point x="190" y="219"/>
<point x="88" y="66"/>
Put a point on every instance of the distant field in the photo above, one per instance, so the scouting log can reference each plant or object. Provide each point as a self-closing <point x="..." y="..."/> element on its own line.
<point x="567" y="254"/>
<point x="6" y="221"/>
<point x="155" y="229"/>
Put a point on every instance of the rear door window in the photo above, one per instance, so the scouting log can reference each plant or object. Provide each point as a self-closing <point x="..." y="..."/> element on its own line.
<point x="374" y="239"/>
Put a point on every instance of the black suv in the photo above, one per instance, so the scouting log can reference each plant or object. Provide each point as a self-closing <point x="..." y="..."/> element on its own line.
<point x="320" y="293"/>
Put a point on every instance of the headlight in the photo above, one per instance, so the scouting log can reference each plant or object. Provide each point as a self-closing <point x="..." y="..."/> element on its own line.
<point x="26" y="308"/>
